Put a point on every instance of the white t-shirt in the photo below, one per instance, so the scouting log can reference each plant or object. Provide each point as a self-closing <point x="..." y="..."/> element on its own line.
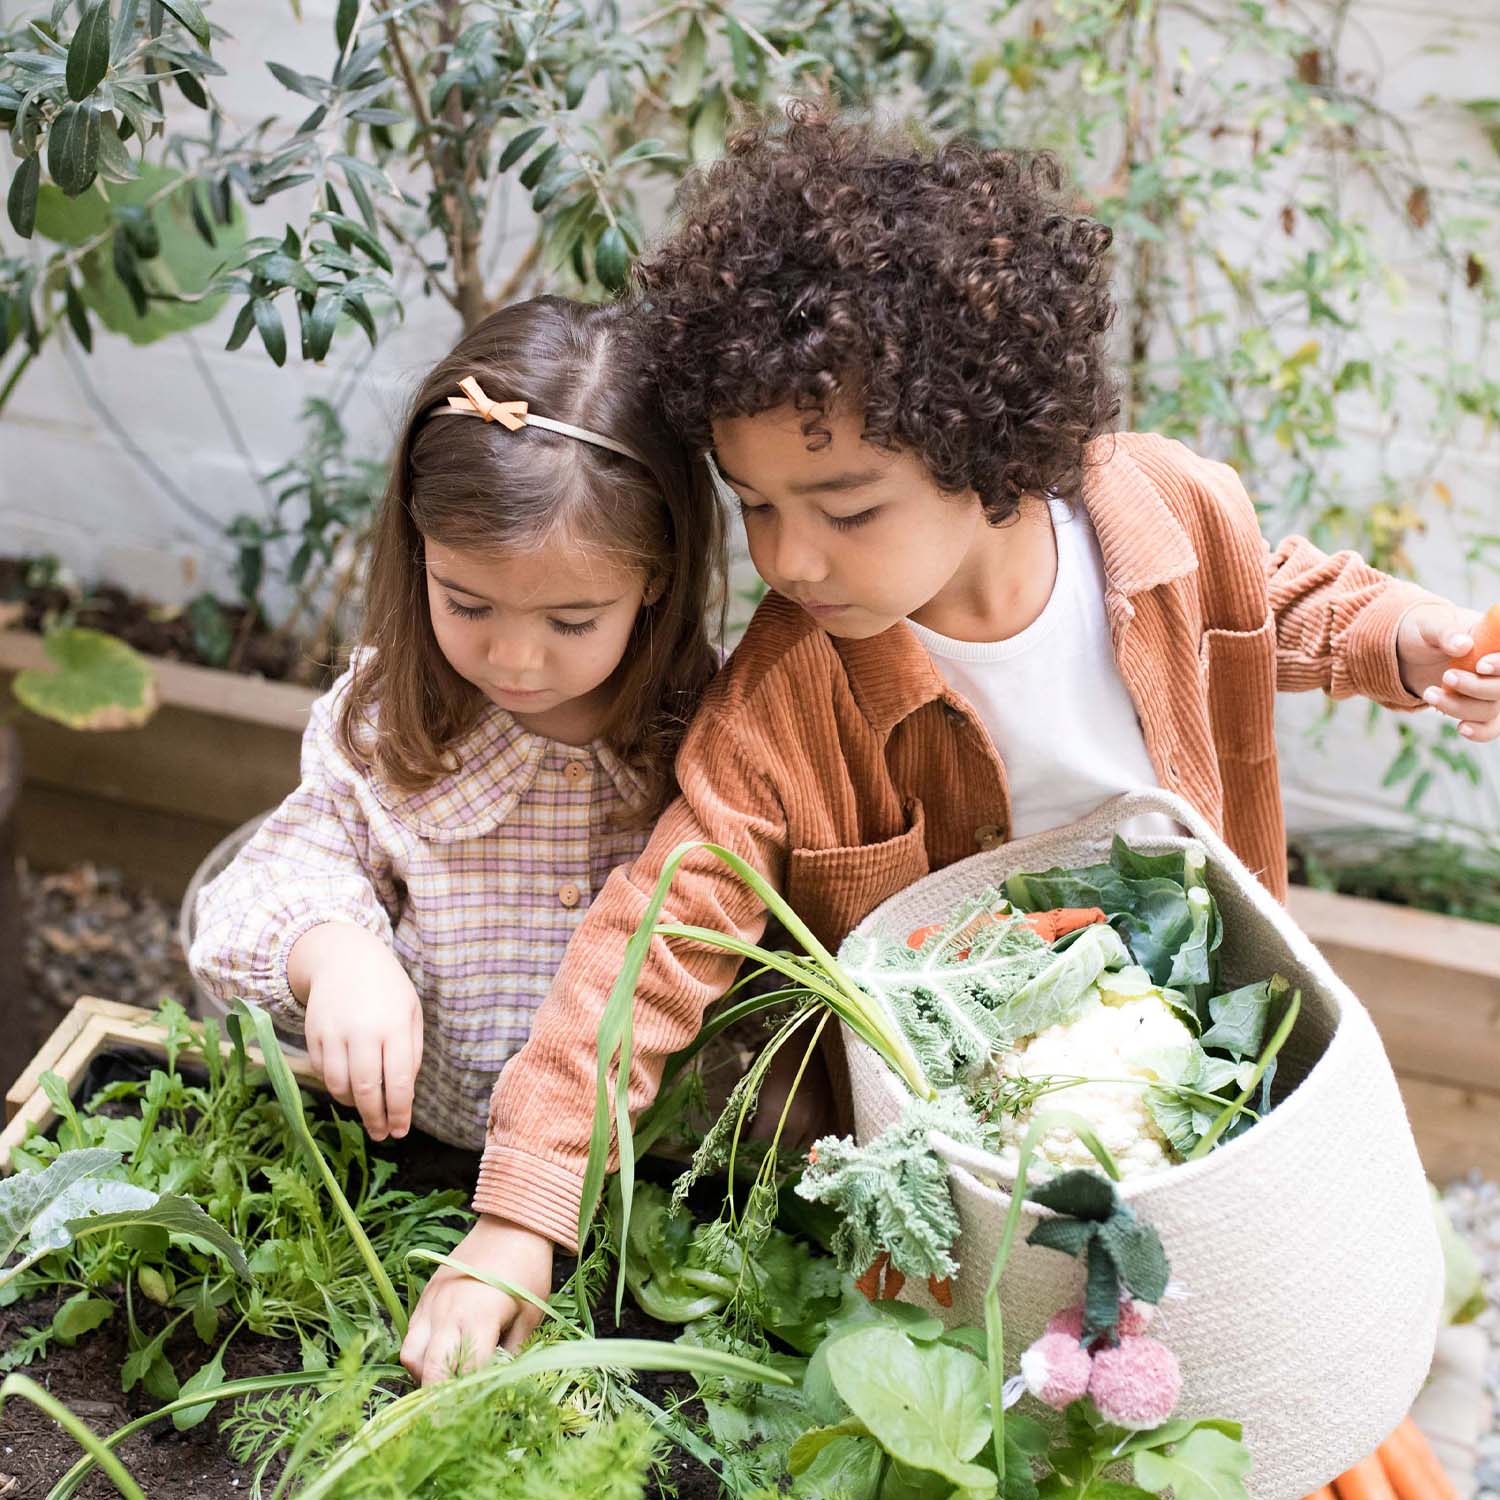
<point x="1052" y="697"/>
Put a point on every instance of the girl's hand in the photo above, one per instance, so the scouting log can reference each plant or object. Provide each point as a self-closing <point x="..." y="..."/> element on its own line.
<point x="459" y="1322"/>
<point x="363" y="1024"/>
<point x="1430" y="637"/>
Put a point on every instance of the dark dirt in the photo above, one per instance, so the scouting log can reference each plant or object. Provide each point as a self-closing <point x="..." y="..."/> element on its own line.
<point x="167" y="1464"/>
<point x="256" y="649"/>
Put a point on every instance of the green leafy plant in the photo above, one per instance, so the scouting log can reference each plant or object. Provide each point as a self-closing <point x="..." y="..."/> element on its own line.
<point x="815" y="977"/>
<point x="289" y="1096"/>
<point x="97" y="682"/>
<point x="67" y="1199"/>
<point x="231" y="1150"/>
<point x="1459" y="877"/>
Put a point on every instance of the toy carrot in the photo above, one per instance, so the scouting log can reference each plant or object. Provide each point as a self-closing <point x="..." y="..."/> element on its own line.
<point x="1412" y="1467"/>
<point x="1047" y="925"/>
<point x="941" y="1288"/>
<point x="894" y="1281"/>
<point x="1326" y="1493"/>
<point x="1486" y="637"/>
<point x="1365" y="1481"/>
<point x="869" y="1282"/>
<point x="1051" y="925"/>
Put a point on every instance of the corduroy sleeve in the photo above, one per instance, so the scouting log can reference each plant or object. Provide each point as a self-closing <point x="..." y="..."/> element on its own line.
<point x="542" y="1109"/>
<point x="1336" y="624"/>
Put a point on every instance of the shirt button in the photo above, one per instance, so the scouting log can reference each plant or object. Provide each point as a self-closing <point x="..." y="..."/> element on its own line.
<point x="575" y="770"/>
<point x="570" y="895"/>
<point x="988" y="836"/>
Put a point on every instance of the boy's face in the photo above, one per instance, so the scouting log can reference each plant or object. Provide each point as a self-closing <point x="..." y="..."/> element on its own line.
<point x="859" y="537"/>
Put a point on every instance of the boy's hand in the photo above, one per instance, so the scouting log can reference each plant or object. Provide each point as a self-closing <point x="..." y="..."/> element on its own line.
<point x="459" y="1321"/>
<point x="1430" y="636"/>
<point x="363" y="1024"/>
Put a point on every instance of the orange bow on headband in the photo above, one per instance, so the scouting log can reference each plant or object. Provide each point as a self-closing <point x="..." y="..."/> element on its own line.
<point x="509" y="414"/>
<point x="514" y="415"/>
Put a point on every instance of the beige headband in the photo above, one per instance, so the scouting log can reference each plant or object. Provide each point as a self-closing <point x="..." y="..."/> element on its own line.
<point x="513" y="415"/>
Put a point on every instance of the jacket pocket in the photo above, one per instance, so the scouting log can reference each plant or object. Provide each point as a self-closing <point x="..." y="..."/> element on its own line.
<point x="1239" y="670"/>
<point x="834" y="889"/>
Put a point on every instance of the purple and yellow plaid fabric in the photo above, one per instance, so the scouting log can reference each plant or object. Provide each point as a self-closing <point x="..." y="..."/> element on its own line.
<point x="477" y="882"/>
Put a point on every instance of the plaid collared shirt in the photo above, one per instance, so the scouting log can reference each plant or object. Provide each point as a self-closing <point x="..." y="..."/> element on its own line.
<point x="477" y="882"/>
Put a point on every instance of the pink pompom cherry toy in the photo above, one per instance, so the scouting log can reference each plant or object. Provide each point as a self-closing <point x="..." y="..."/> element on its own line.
<point x="1136" y="1383"/>
<point x="1057" y="1370"/>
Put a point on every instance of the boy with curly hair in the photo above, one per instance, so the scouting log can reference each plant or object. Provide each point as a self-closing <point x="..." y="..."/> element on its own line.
<point x="987" y="614"/>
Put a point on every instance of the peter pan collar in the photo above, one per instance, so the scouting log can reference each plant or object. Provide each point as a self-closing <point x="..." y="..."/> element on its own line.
<point x="495" y="765"/>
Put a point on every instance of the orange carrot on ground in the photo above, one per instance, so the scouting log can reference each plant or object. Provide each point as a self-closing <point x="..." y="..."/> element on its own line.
<point x="1051" y="925"/>
<point x="1412" y="1467"/>
<point x="1365" y="1481"/>
<point x="941" y="1289"/>
<point x="1486" y="636"/>
<point x="1326" y="1493"/>
<point x="894" y="1281"/>
<point x="869" y="1282"/>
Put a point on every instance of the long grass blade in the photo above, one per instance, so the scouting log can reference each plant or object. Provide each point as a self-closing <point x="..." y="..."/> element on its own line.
<point x="994" y="1324"/>
<point x="1210" y="1137"/>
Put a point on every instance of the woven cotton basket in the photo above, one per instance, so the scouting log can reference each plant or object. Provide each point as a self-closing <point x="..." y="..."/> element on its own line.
<point x="1306" y="1247"/>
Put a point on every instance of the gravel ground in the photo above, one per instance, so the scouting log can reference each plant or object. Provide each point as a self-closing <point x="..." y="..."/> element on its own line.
<point x="86" y="933"/>
<point x="1474" y="1206"/>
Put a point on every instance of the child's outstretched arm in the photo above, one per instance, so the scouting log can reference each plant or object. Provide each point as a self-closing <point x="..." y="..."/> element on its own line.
<point x="296" y="923"/>
<point x="531" y="1177"/>
<point x="1351" y="630"/>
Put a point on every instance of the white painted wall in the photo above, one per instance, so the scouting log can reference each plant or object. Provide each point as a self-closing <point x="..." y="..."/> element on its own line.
<point x="204" y="424"/>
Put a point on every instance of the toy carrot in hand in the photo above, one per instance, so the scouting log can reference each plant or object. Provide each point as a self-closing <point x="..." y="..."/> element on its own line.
<point x="1450" y="658"/>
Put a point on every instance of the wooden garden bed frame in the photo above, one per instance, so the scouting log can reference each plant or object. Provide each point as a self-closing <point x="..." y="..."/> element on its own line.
<point x="92" y="1027"/>
<point x="222" y="748"/>
<point x="1432" y="984"/>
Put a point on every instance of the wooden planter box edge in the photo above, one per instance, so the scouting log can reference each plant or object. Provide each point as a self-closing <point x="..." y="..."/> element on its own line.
<point x="221" y="748"/>
<point x="90" y="1027"/>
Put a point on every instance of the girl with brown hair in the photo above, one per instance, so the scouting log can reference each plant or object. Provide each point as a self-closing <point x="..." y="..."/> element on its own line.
<point x="534" y="643"/>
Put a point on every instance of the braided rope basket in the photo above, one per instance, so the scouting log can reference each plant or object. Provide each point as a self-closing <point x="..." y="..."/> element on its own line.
<point x="1306" y="1247"/>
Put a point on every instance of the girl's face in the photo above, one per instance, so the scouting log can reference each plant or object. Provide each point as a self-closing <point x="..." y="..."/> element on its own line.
<point x="540" y="632"/>
<point x="859" y="537"/>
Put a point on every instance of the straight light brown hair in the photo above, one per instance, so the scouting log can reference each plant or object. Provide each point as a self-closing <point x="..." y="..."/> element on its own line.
<point x="476" y="487"/>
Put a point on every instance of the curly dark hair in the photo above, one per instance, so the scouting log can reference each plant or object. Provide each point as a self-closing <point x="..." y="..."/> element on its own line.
<point x="956" y="297"/>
